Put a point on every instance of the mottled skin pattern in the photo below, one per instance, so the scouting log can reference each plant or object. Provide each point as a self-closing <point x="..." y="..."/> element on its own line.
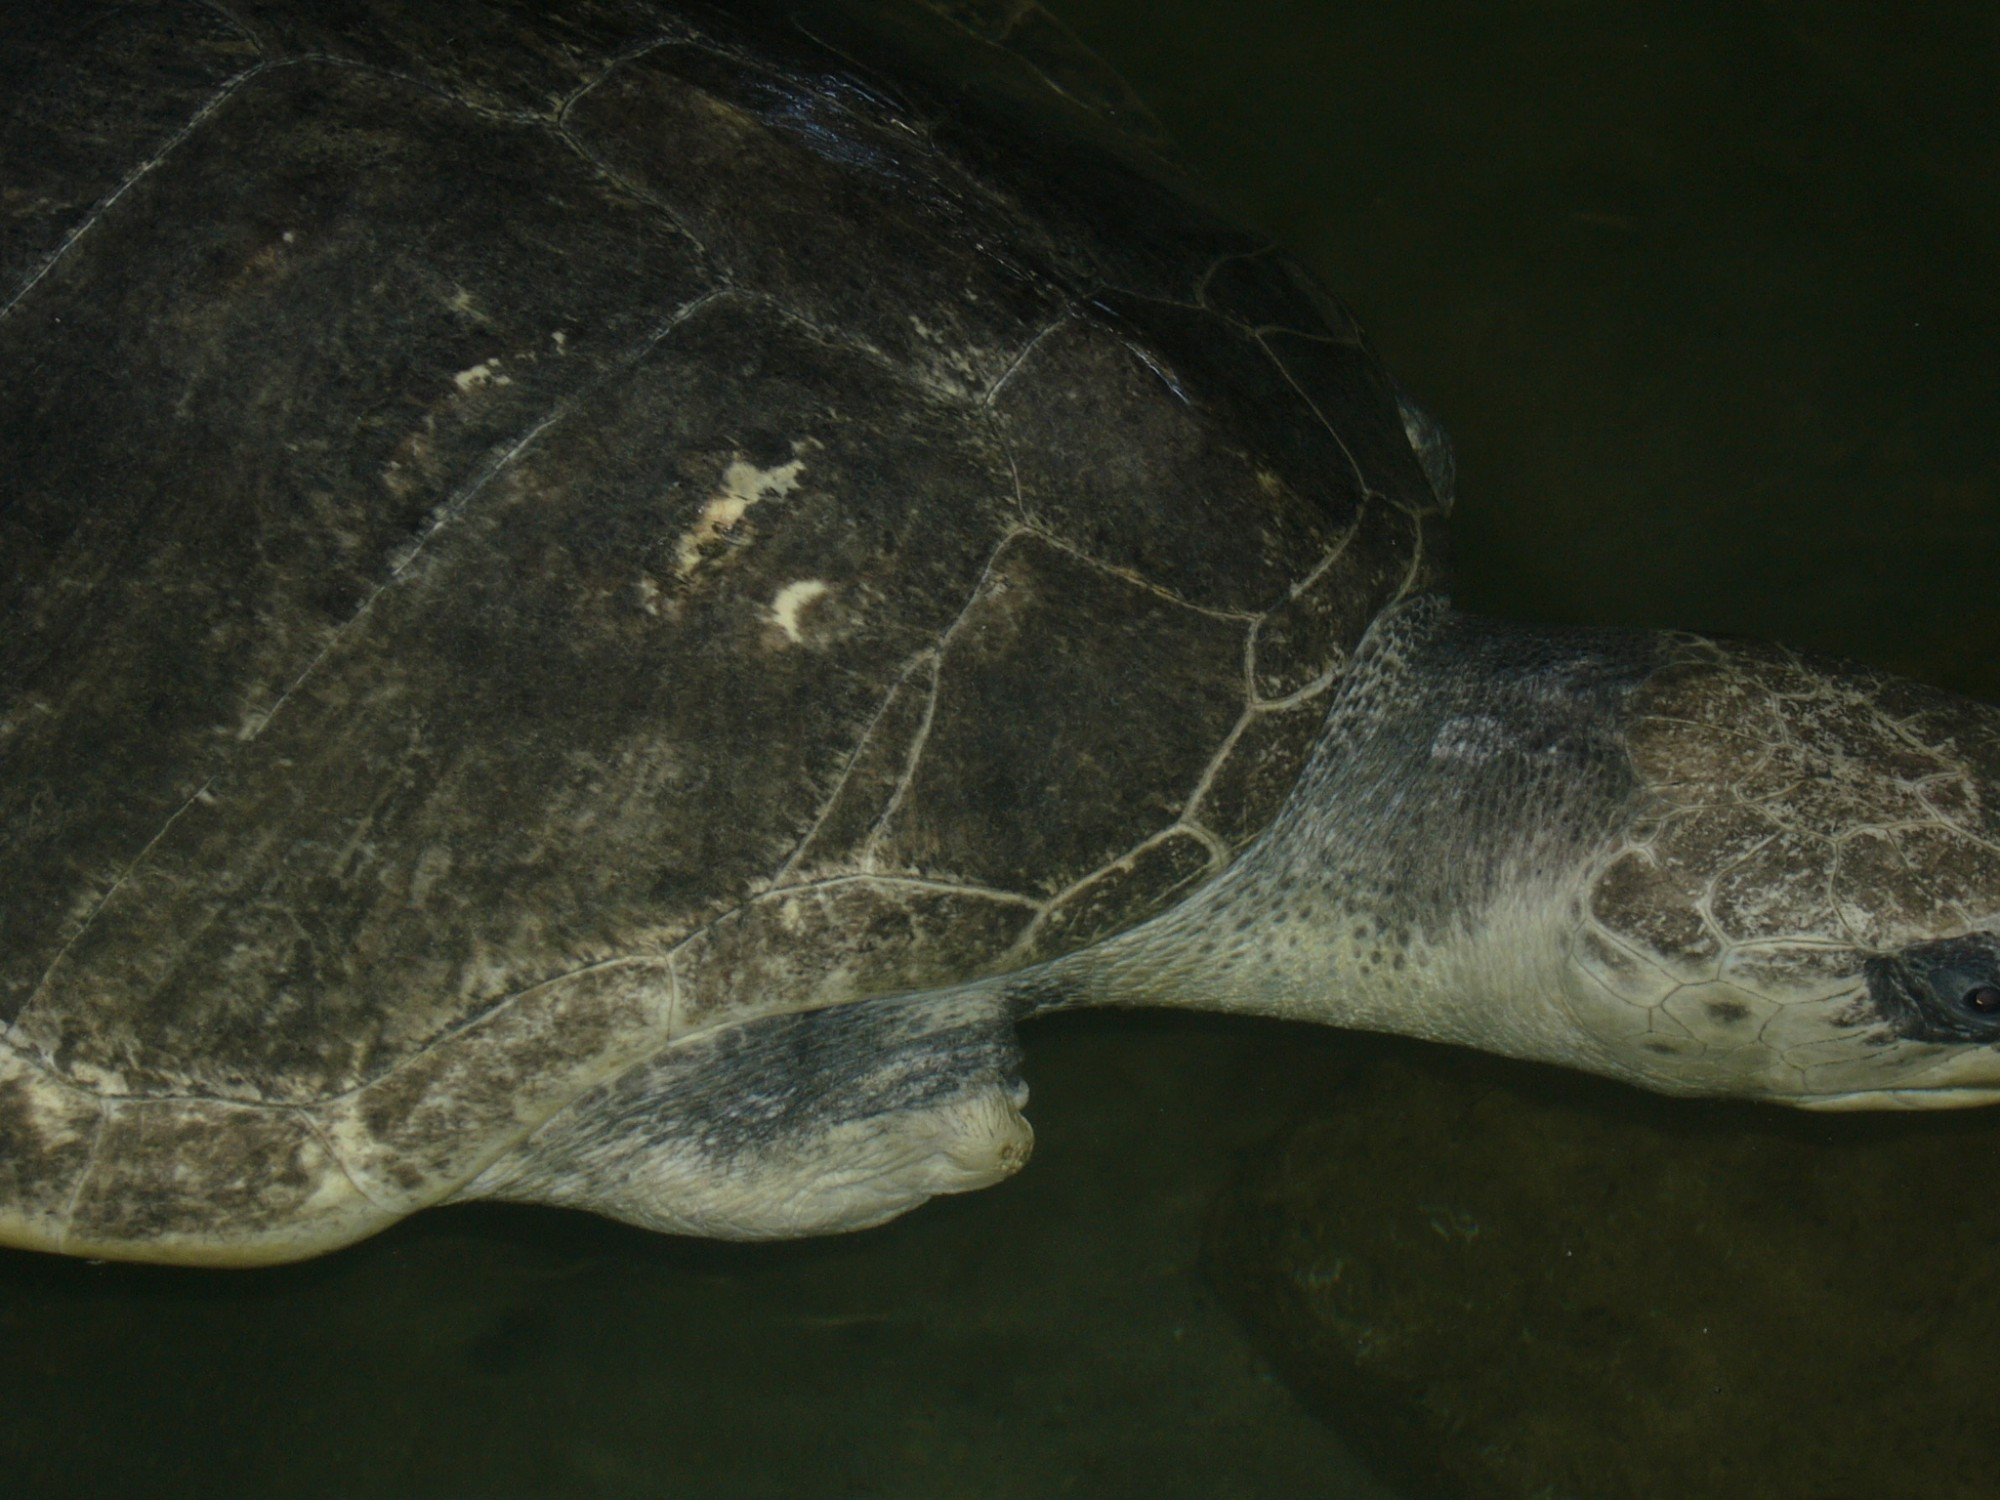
<point x="1704" y="867"/>
<point x="1811" y="823"/>
<point x="598" y="597"/>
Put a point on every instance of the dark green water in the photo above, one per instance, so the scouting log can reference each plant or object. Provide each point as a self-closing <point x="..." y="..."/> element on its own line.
<point x="1706" y="292"/>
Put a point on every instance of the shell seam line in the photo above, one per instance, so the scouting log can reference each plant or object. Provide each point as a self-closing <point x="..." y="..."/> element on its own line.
<point x="267" y="64"/>
<point x="104" y="1100"/>
<point x="992" y="392"/>
<point x="339" y="1162"/>
<point x="865" y="877"/>
<point x="1299" y="695"/>
<point x="98" y="210"/>
<point x="911" y="668"/>
<point x="1205" y="782"/>
<point x="1217" y="858"/>
<point x="1360" y="479"/>
<point x="446" y="512"/>
<point x="1035" y="529"/>
<point x="83" y="1173"/>
<point x="878" y="830"/>
<point x="462" y="1028"/>
<point x="561" y="126"/>
<point x="612" y="64"/>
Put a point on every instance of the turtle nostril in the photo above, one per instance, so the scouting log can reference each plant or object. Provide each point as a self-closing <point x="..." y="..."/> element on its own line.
<point x="1983" y="999"/>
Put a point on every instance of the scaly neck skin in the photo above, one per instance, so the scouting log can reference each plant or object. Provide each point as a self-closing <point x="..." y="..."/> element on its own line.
<point x="1421" y="877"/>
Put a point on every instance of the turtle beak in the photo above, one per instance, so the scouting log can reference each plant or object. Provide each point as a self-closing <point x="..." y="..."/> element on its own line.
<point x="1965" y="1098"/>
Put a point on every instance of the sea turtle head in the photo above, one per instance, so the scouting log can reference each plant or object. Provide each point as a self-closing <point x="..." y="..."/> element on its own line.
<point x="1804" y="901"/>
<point x="1700" y="866"/>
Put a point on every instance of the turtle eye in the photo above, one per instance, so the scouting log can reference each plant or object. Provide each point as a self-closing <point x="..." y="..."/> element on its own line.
<point x="1981" y="1000"/>
<point x="1947" y="990"/>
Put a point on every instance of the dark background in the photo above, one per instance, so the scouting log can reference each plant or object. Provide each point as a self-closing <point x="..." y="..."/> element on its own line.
<point x="1706" y="293"/>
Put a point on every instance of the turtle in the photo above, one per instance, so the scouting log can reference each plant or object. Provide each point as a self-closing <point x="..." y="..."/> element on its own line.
<point x="601" y="597"/>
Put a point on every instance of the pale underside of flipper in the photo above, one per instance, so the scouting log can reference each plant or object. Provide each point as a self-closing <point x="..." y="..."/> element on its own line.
<point x="807" y="1123"/>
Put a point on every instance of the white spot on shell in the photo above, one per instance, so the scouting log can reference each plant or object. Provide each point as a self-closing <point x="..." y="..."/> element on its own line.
<point x="483" y="373"/>
<point x="793" y="600"/>
<point x="743" y="485"/>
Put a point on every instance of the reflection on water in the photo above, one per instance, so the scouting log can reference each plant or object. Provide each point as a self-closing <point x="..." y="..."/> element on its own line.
<point x="1704" y="291"/>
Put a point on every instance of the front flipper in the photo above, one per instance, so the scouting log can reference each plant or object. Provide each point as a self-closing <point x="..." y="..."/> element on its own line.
<point x="789" y="1125"/>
